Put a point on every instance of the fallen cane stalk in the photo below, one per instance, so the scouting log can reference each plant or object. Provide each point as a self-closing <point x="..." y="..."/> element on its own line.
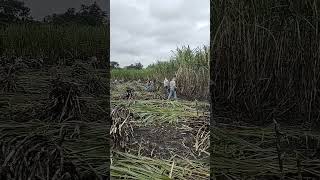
<point x="299" y="166"/>
<point x="170" y="175"/>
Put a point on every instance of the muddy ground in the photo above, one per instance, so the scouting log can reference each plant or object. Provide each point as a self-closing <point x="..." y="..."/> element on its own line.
<point x="164" y="141"/>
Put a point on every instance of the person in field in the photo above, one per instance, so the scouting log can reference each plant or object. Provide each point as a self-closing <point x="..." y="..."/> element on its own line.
<point x="149" y="86"/>
<point x="129" y="93"/>
<point x="166" y="86"/>
<point x="152" y="86"/>
<point x="173" y="89"/>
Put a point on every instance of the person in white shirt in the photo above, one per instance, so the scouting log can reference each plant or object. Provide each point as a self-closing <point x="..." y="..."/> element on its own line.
<point x="166" y="86"/>
<point x="173" y="89"/>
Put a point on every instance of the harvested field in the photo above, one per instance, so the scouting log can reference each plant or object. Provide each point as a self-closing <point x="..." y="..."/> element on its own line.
<point x="52" y="127"/>
<point x="246" y="151"/>
<point x="156" y="138"/>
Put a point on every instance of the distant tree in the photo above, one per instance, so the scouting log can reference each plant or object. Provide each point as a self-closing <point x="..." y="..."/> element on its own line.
<point x="13" y="11"/>
<point x="135" y="66"/>
<point x="71" y="12"/>
<point x="114" y="65"/>
<point x="139" y="65"/>
<point x="87" y="15"/>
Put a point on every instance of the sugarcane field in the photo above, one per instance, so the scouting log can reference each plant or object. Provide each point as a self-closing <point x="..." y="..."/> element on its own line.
<point x="264" y="90"/>
<point x="165" y="90"/>
<point x="153" y="137"/>
<point x="54" y="96"/>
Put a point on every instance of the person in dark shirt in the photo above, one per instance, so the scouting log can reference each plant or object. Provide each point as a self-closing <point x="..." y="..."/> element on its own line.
<point x="129" y="93"/>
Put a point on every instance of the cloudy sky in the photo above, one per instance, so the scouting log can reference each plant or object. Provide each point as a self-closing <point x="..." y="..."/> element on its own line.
<point x="147" y="30"/>
<point x="42" y="8"/>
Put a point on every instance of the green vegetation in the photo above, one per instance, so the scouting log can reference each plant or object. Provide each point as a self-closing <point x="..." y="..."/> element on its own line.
<point x="52" y="42"/>
<point x="131" y="74"/>
<point x="153" y="138"/>
<point x="137" y="167"/>
<point x="191" y="67"/>
<point x="163" y="111"/>
<point x="70" y="35"/>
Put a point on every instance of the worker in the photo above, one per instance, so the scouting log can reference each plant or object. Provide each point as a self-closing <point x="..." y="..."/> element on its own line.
<point x="151" y="86"/>
<point x="147" y="86"/>
<point x="166" y="86"/>
<point x="173" y="89"/>
<point x="129" y="93"/>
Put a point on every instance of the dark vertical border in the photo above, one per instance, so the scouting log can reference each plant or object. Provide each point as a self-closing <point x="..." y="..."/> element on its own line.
<point x="216" y="16"/>
<point x="211" y="82"/>
<point x="109" y="93"/>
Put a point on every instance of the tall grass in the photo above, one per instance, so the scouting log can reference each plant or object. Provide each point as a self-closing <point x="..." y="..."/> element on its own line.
<point x="266" y="60"/>
<point x="54" y="41"/>
<point x="130" y="74"/>
<point x="191" y="67"/>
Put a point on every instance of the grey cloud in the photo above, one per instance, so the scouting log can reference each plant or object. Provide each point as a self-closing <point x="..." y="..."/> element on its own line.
<point x="147" y="31"/>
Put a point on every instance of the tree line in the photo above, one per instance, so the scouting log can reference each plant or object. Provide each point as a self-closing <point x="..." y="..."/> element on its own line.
<point x="116" y="65"/>
<point x="15" y="11"/>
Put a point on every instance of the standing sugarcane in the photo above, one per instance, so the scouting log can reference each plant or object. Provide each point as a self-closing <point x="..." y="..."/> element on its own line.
<point x="278" y="138"/>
